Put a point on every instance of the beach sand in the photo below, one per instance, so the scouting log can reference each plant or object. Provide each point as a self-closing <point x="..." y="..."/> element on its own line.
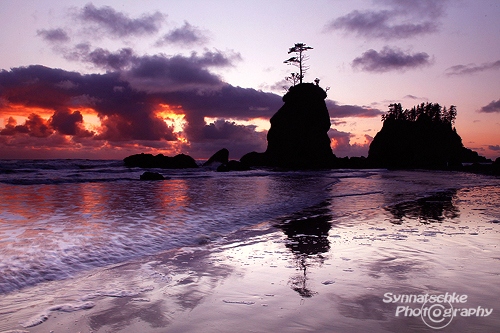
<point x="309" y="272"/>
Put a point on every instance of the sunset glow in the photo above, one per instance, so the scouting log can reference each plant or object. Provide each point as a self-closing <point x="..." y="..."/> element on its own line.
<point x="173" y="116"/>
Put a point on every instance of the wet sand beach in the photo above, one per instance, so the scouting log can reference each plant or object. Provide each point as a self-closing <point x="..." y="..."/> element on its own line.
<point x="322" y="269"/>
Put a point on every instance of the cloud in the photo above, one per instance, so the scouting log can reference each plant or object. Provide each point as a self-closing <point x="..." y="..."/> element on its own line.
<point x="129" y="115"/>
<point x="158" y="72"/>
<point x="239" y="139"/>
<point x="125" y="114"/>
<point x="187" y="35"/>
<point x="494" y="106"/>
<point x="341" y="144"/>
<point x="344" y="111"/>
<point x="11" y="128"/>
<point x="118" y="24"/>
<point x="99" y="57"/>
<point x="472" y="68"/>
<point x="390" y="59"/>
<point x="34" y="126"/>
<point x="53" y="35"/>
<point x="161" y="74"/>
<point x="110" y="61"/>
<point x="494" y="148"/>
<point x="279" y="86"/>
<point x="69" y="123"/>
<point x="403" y="19"/>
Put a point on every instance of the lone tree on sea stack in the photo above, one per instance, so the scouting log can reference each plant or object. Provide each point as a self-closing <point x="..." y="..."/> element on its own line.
<point x="298" y="60"/>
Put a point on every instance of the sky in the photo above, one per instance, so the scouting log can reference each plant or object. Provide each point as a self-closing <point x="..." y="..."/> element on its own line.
<point x="107" y="79"/>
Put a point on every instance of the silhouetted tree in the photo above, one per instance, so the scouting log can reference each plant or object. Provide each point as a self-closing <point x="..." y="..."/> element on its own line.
<point x="299" y="59"/>
<point x="424" y="112"/>
<point x="451" y="114"/>
<point x="293" y="78"/>
<point x="395" y="112"/>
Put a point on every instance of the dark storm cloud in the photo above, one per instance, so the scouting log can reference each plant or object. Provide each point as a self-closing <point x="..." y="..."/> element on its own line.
<point x="390" y="59"/>
<point x="100" y="57"/>
<point x="119" y="24"/>
<point x="158" y="73"/>
<point x="403" y="19"/>
<point x="125" y="112"/>
<point x="69" y="123"/>
<point x="187" y="35"/>
<point x="53" y="35"/>
<point x="344" y="111"/>
<point x="239" y="139"/>
<point x="494" y="106"/>
<point x="110" y="61"/>
<point x="229" y="102"/>
<point x="472" y="68"/>
<point x="34" y="126"/>
<point x="11" y="128"/>
<point x="222" y="129"/>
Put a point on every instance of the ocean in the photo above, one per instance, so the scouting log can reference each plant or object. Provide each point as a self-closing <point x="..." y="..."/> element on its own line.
<point x="64" y="220"/>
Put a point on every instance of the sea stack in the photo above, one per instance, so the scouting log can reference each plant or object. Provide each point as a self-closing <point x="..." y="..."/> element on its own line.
<point x="298" y="137"/>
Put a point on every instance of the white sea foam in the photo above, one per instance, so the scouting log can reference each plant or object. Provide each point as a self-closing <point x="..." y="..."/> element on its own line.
<point x="67" y="307"/>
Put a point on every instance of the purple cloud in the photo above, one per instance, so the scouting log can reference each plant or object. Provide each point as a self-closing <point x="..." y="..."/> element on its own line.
<point x="187" y="35"/>
<point x="494" y="106"/>
<point x="344" y="111"/>
<point x="107" y="60"/>
<point x="119" y="24"/>
<point x="240" y="138"/>
<point x="392" y="23"/>
<point x="390" y="59"/>
<point x="53" y="35"/>
<point x="472" y="68"/>
<point x="377" y="25"/>
<point x="69" y="123"/>
<point x="158" y="73"/>
<point x="161" y="74"/>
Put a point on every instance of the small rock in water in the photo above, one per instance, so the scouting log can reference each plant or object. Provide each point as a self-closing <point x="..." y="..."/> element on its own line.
<point x="148" y="175"/>
<point x="327" y="282"/>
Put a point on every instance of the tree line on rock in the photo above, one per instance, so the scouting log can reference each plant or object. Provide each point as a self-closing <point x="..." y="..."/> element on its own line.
<point x="423" y="112"/>
<point x="420" y="137"/>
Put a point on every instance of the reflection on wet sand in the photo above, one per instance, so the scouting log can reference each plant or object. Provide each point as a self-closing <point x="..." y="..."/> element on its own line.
<point x="434" y="208"/>
<point x="307" y="234"/>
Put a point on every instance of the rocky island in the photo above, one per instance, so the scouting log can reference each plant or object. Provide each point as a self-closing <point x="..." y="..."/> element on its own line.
<point x="298" y="137"/>
<point x="424" y="137"/>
